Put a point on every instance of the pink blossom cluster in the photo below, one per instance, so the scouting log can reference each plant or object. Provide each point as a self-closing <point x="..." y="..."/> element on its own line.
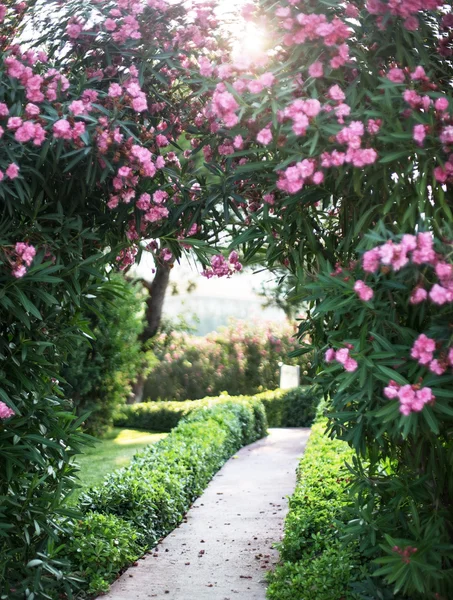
<point x="154" y="206"/>
<point x="405" y="9"/>
<point x="295" y="177"/>
<point x="423" y="351"/>
<point x="126" y="257"/>
<point x="221" y="267"/>
<point x="26" y="131"/>
<point x="12" y="172"/>
<point x="363" y="291"/>
<point x="351" y="135"/>
<point x="62" y="129"/>
<point x="342" y="356"/>
<point x="224" y="106"/>
<point x="316" y="27"/>
<point x="5" y="411"/>
<point x="133" y="92"/>
<point x="24" y="255"/>
<point x="37" y="87"/>
<point x="412" y="398"/>
<point x="419" y="250"/>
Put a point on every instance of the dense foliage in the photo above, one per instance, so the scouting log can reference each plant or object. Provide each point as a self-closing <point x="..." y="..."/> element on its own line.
<point x="242" y="358"/>
<point x="284" y="408"/>
<point x="152" y="494"/>
<point x="100" y="371"/>
<point x="344" y="126"/>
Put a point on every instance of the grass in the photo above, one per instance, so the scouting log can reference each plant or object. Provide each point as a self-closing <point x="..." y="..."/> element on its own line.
<point x="113" y="452"/>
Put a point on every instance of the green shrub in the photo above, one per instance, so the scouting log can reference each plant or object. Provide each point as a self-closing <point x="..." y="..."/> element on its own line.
<point x="318" y="561"/>
<point x="100" y="546"/>
<point x="154" y="492"/>
<point x="284" y="408"/>
<point x="315" y="565"/>
<point x="99" y="372"/>
<point x="290" y="408"/>
<point x="242" y="358"/>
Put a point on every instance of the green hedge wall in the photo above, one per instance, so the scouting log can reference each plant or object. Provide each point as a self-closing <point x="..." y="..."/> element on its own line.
<point x="137" y="505"/>
<point x="315" y="565"/>
<point x="284" y="408"/>
<point x="317" y="560"/>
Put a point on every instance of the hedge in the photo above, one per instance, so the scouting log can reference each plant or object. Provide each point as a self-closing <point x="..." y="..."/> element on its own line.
<point x="137" y="505"/>
<point x="314" y="564"/>
<point x="317" y="562"/>
<point x="284" y="408"/>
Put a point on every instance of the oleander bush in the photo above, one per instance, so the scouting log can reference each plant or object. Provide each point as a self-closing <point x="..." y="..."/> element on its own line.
<point x="242" y="358"/>
<point x="147" y="499"/>
<point x="284" y="408"/>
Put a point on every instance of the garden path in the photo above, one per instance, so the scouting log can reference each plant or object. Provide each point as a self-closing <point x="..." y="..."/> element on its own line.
<point x="223" y="548"/>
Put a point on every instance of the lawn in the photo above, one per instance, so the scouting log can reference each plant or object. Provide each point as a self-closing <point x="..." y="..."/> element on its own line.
<point x="112" y="452"/>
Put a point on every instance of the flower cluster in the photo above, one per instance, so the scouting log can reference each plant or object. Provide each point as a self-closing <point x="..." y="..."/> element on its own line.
<point x="222" y="267"/>
<point x="23" y="257"/>
<point x="342" y="356"/>
<point x="418" y="249"/>
<point x="303" y="27"/>
<point x="5" y="410"/>
<point x="363" y="291"/>
<point x="423" y="351"/>
<point x="412" y="397"/>
<point x="405" y="9"/>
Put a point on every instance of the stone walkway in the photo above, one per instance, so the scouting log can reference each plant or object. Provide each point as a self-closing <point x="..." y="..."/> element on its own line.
<point x="223" y="548"/>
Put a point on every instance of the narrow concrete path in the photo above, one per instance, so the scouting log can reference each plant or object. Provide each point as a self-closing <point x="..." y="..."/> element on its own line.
<point x="223" y="548"/>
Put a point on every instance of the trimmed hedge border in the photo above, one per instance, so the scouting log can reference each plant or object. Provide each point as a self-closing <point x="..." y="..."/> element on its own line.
<point x="284" y="408"/>
<point x="143" y="502"/>
<point x="315" y="563"/>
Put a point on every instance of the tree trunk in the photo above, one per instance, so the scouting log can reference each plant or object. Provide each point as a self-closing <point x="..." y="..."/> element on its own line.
<point x="153" y="314"/>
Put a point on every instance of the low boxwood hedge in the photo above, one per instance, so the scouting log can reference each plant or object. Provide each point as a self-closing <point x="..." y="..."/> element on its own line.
<point x="137" y="505"/>
<point x="284" y="408"/>
<point x="318" y="561"/>
<point x="315" y="563"/>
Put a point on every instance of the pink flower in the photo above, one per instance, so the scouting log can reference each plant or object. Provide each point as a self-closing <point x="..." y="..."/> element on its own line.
<point x="25" y="132"/>
<point x="316" y="69"/>
<point x="419" y="134"/>
<point x="110" y="25"/>
<point x="139" y="104"/>
<point x="350" y="365"/>
<point x="19" y="271"/>
<point x="440" y="295"/>
<point x="363" y="291"/>
<point x="5" y="411"/>
<point x="371" y="260"/>
<point x="423" y="349"/>
<point x="77" y="107"/>
<point x="264" y="136"/>
<point x="74" y="30"/>
<point x="336" y="93"/>
<point x="396" y="75"/>
<point x="441" y="104"/>
<point x="14" y="123"/>
<point x="62" y="129"/>
<point x="32" y="110"/>
<point x="12" y="171"/>
<point x="161" y="140"/>
<point x="418" y="295"/>
<point x="392" y="390"/>
<point x="437" y="367"/>
<point x="115" y="90"/>
<point x="329" y="355"/>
